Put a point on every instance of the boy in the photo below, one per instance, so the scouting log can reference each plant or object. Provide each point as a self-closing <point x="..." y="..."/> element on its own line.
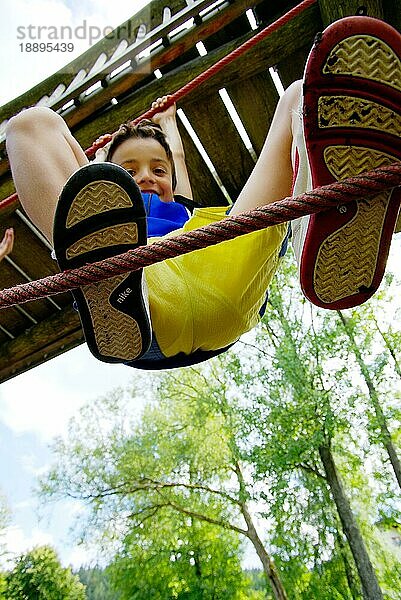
<point x="202" y="302"/>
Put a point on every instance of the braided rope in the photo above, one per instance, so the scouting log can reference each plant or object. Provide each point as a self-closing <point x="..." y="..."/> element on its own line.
<point x="328" y="196"/>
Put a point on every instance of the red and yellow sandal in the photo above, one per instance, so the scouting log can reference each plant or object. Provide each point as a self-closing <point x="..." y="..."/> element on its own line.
<point x="352" y="123"/>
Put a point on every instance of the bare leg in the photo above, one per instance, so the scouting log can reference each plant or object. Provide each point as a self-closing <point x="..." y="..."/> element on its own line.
<point x="271" y="177"/>
<point x="43" y="154"/>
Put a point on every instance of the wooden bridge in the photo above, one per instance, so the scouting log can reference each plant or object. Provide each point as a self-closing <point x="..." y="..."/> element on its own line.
<point x="154" y="53"/>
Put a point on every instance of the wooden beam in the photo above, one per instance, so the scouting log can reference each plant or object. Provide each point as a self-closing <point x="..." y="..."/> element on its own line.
<point x="255" y="100"/>
<point x="277" y="46"/>
<point x="222" y="142"/>
<point x="292" y="66"/>
<point x="151" y="15"/>
<point x="392" y="12"/>
<point x="333" y="10"/>
<point x="40" y="343"/>
<point x="124" y="82"/>
<point x="206" y="191"/>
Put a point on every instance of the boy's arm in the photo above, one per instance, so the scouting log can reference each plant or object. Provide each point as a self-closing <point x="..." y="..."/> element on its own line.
<point x="167" y="121"/>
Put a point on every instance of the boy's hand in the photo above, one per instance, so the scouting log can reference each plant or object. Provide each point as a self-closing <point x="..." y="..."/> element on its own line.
<point x="163" y="112"/>
<point x="106" y="137"/>
<point x="7" y="243"/>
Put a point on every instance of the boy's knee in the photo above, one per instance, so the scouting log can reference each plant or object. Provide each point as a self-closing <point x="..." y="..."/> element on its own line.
<point x="37" y="118"/>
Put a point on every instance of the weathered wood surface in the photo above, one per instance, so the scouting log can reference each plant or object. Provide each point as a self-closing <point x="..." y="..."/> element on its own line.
<point x="38" y="331"/>
<point x="257" y="60"/>
<point x="41" y="342"/>
<point x="331" y="11"/>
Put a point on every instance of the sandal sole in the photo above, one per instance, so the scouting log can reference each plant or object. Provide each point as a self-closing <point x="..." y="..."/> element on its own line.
<point x="352" y="124"/>
<point x="100" y="214"/>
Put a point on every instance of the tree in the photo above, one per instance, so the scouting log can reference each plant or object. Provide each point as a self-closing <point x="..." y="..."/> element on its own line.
<point x="4" y="520"/>
<point x="183" y="456"/>
<point x="363" y="332"/>
<point x="97" y="584"/>
<point x="179" y="557"/>
<point x="307" y="408"/>
<point x="39" y="575"/>
<point x="276" y="434"/>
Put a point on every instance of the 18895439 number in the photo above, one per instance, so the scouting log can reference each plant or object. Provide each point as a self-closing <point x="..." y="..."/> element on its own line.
<point x="46" y="47"/>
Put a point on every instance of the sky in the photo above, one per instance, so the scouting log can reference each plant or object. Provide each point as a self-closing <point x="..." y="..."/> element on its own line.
<point x="36" y="406"/>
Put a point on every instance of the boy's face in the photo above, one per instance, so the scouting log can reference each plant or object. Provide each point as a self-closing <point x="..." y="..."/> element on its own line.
<point x="146" y="160"/>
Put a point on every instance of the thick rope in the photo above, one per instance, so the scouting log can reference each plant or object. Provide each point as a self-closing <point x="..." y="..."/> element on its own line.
<point x="189" y="87"/>
<point x="322" y="198"/>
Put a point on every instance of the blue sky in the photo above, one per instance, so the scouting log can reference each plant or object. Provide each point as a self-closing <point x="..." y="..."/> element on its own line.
<point x="36" y="406"/>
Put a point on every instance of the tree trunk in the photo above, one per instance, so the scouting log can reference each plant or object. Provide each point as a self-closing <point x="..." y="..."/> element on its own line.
<point x="370" y="585"/>
<point x="385" y="433"/>
<point x="269" y="567"/>
<point x="389" y="347"/>
<point x="353" y="583"/>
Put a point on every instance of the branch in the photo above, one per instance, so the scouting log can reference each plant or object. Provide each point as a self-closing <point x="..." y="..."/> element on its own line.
<point x="257" y="348"/>
<point x="205" y="518"/>
<point x="310" y="469"/>
<point x="147" y="484"/>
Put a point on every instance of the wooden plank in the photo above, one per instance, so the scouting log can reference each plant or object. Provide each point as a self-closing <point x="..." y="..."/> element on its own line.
<point x="14" y="320"/>
<point x="292" y="67"/>
<point x="392" y="12"/>
<point x="151" y="15"/>
<point x="268" y="11"/>
<point x="124" y="83"/>
<point x="331" y="11"/>
<point x="37" y="262"/>
<point x="38" y="309"/>
<point x="31" y="255"/>
<point x="221" y="141"/>
<point x="267" y="53"/>
<point x="40" y="343"/>
<point x="4" y="338"/>
<point x="255" y="100"/>
<point x="175" y="50"/>
<point x="232" y="31"/>
<point x="205" y="190"/>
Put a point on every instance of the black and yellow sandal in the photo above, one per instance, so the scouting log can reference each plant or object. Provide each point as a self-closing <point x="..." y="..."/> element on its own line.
<point x="100" y="214"/>
<point x="352" y="124"/>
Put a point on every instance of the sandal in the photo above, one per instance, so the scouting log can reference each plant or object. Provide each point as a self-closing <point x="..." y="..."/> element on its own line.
<point x="352" y="124"/>
<point x="100" y="214"/>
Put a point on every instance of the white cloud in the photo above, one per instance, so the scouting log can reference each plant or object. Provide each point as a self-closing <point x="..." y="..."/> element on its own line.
<point x="18" y="541"/>
<point x="22" y="69"/>
<point x="43" y="399"/>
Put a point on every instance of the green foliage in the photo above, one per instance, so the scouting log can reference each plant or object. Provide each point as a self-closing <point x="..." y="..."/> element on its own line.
<point x="38" y="575"/>
<point x="97" y="584"/>
<point x="179" y="558"/>
<point x="145" y="481"/>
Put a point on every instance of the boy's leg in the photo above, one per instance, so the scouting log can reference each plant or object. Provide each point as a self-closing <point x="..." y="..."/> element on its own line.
<point x="58" y="187"/>
<point x="100" y="214"/>
<point x="43" y="154"/>
<point x="271" y="178"/>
